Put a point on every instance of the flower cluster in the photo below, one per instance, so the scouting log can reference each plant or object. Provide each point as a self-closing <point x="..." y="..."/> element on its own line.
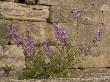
<point x="98" y="35"/>
<point x="77" y="12"/>
<point x="29" y="46"/>
<point x="27" y="43"/>
<point x="15" y="36"/>
<point x="46" y="46"/>
<point x="86" y="48"/>
<point x="60" y="34"/>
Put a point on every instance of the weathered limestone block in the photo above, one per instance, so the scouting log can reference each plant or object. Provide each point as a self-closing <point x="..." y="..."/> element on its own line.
<point x="61" y="14"/>
<point x="75" y="3"/>
<point x="105" y="11"/>
<point x="39" y="31"/>
<point x="99" y="54"/>
<point x="64" y="14"/>
<point x="63" y="2"/>
<point x="23" y="12"/>
<point x="106" y="18"/>
<point x="86" y="32"/>
<point x="12" y="56"/>
<point x="94" y="61"/>
<point x="105" y="35"/>
<point x="4" y="32"/>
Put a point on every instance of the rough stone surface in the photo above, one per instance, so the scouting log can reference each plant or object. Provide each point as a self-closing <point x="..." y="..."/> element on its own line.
<point x="75" y="3"/>
<point x="83" y="75"/>
<point x="34" y="18"/>
<point x="98" y="56"/>
<point x="78" y="36"/>
<point x="23" y="12"/>
<point x="71" y="31"/>
<point x="39" y="31"/>
<point x="91" y="13"/>
<point x="90" y="79"/>
<point x="94" y="61"/>
<point x="12" y="56"/>
<point x="64" y="14"/>
<point x="86" y="32"/>
<point x="4" y="32"/>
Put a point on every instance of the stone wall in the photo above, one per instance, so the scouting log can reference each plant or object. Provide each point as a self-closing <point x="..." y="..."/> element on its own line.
<point x="37" y="15"/>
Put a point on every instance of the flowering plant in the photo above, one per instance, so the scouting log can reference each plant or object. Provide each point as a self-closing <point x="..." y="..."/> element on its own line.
<point x="47" y="60"/>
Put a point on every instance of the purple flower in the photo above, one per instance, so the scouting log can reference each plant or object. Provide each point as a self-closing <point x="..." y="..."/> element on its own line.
<point x="15" y="36"/>
<point x="60" y="34"/>
<point x="29" y="46"/>
<point x="98" y="35"/>
<point x="77" y="12"/>
<point x="86" y="48"/>
<point x="46" y="46"/>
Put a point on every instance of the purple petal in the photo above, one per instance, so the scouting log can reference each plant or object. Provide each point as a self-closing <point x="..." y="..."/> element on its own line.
<point x="46" y="46"/>
<point x="60" y="34"/>
<point x="77" y="12"/>
<point x="15" y="36"/>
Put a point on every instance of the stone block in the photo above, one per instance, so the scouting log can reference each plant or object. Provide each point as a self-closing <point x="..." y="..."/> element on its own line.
<point x="63" y="2"/>
<point x="15" y="11"/>
<point x="75" y="3"/>
<point x="94" y="61"/>
<point x="4" y="32"/>
<point x="106" y="18"/>
<point x="12" y="56"/>
<point x="99" y="54"/>
<point x="86" y="32"/>
<point x="38" y="31"/>
<point x="64" y="14"/>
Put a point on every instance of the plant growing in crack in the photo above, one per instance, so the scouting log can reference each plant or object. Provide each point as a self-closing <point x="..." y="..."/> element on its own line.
<point x="44" y="61"/>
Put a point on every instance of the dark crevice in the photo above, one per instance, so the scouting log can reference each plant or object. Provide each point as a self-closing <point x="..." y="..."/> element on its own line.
<point x="108" y="67"/>
<point x="21" y="1"/>
<point x="28" y="1"/>
<point x="36" y="1"/>
<point x="9" y="43"/>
